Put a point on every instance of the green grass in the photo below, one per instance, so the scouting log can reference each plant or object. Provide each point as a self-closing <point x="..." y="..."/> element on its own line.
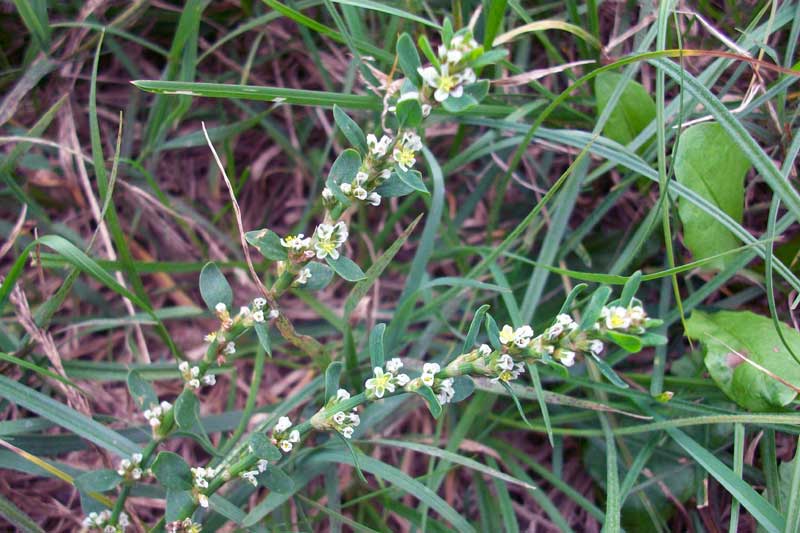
<point x="532" y="192"/>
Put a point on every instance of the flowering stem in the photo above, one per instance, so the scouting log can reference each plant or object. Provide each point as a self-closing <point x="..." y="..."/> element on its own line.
<point x="126" y="489"/>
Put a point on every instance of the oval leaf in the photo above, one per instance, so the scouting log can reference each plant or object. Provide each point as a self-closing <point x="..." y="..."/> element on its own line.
<point x="214" y="287"/>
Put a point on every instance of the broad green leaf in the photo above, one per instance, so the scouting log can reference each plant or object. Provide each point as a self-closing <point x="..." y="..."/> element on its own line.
<point x="408" y="58"/>
<point x="629" y="343"/>
<point x="343" y="170"/>
<point x="262" y="448"/>
<point x="172" y="471"/>
<point x="350" y="129"/>
<point x="178" y="502"/>
<point x="98" y="481"/>
<point x="268" y="243"/>
<point x="633" y="112"/>
<point x="463" y="387"/>
<point x="276" y="479"/>
<point x="712" y="165"/>
<point x="430" y="400"/>
<point x="262" y="332"/>
<point x="394" y="187"/>
<point x="214" y="288"/>
<point x="321" y="275"/>
<point x="409" y="113"/>
<point x="726" y="333"/>
<point x="412" y="178"/>
<point x="346" y="268"/>
<point x="376" y="355"/>
<point x="141" y="390"/>
<point x="187" y="416"/>
<point x="462" y="103"/>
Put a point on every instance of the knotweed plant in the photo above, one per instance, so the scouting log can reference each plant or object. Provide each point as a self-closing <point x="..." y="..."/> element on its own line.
<point x="384" y="162"/>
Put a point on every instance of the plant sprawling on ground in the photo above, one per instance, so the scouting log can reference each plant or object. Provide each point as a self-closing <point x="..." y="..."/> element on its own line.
<point x="431" y="242"/>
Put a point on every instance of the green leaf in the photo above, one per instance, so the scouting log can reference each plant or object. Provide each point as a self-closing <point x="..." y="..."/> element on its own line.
<point x="711" y="164"/>
<point x="179" y="501"/>
<point x="412" y="178"/>
<point x="141" y="390"/>
<point x="478" y="90"/>
<point x="172" y="471"/>
<point x="321" y="276"/>
<point x="463" y="387"/>
<point x="630" y="288"/>
<point x="214" y="287"/>
<point x="493" y="332"/>
<point x="474" y="328"/>
<point x="263" y="448"/>
<point x="346" y="268"/>
<point x="394" y="187"/>
<point x="537" y="387"/>
<point x="21" y="521"/>
<point x="635" y="108"/>
<point x="408" y="58"/>
<point x="430" y="400"/>
<point x="187" y="416"/>
<point x="34" y="16"/>
<point x="350" y="129"/>
<point x="97" y="481"/>
<point x="595" y="307"/>
<point x="566" y="307"/>
<point x="276" y="480"/>
<point x="409" y="113"/>
<point x="462" y="103"/>
<point x="268" y="243"/>
<point x="376" y="355"/>
<point x="332" y="376"/>
<point x="343" y="170"/>
<point x="510" y="392"/>
<point x="262" y="332"/>
<point x="726" y="333"/>
<point x="427" y="50"/>
<point x="629" y="343"/>
<point x="66" y="417"/>
<point x="608" y="372"/>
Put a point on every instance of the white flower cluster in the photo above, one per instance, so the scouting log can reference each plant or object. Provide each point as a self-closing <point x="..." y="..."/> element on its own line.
<point x="519" y="337"/>
<point x="131" y="468"/>
<point x="200" y="478"/>
<point x="155" y="415"/>
<point x="444" y="390"/>
<point x="303" y="276"/>
<point x="282" y="437"/>
<point x="357" y="189"/>
<point x="449" y="79"/>
<point x="343" y="422"/>
<point x="187" y="525"/>
<point x="100" y="522"/>
<point x="191" y="374"/>
<point x="248" y="316"/>
<point x="623" y="318"/>
<point x="383" y="382"/>
<point x="405" y="151"/>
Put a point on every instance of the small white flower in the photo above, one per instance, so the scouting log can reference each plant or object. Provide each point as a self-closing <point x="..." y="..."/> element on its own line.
<point x="567" y="357"/>
<point x="221" y="307"/>
<point x="230" y="348"/>
<point x="385" y="174"/>
<point x="394" y="364"/>
<point x="244" y="312"/>
<point x="342" y="395"/>
<point x="506" y="335"/>
<point x="184" y="367"/>
<point x="250" y="477"/>
<point x="426" y="109"/>
<point x="446" y="84"/>
<point x="554" y="331"/>
<point x="412" y="140"/>
<point x="380" y="383"/>
<point x="446" y="391"/>
<point x="326" y="194"/>
<point x="339" y="418"/>
<point x="303" y="276"/>
<point x="286" y="446"/>
<point x="360" y="193"/>
<point x="259" y="303"/>
<point x="154" y="423"/>
<point x="209" y="379"/>
<point x="294" y="436"/>
<point x="273" y="314"/>
<point x="596" y="346"/>
<point x="617" y="317"/>
<point x="136" y="473"/>
<point x="165" y="406"/>
<point x="193" y="383"/>
<point x="296" y="242"/>
<point x="431" y="368"/>
<point x="564" y="319"/>
<point x="636" y="313"/>
<point x="262" y="465"/>
<point x="376" y="147"/>
<point x="346" y="188"/>
<point x="374" y="199"/>
<point x="354" y="418"/>
<point x="505" y="362"/>
<point x="427" y="379"/>
<point x="283" y="424"/>
<point x="202" y="499"/>
<point x="258" y="316"/>
<point x="522" y="336"/>
<point x="402" y="379"/>
<point x="484" y="349"/>
<point x="328" y="239"/>
<point x="347" y="432"/>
